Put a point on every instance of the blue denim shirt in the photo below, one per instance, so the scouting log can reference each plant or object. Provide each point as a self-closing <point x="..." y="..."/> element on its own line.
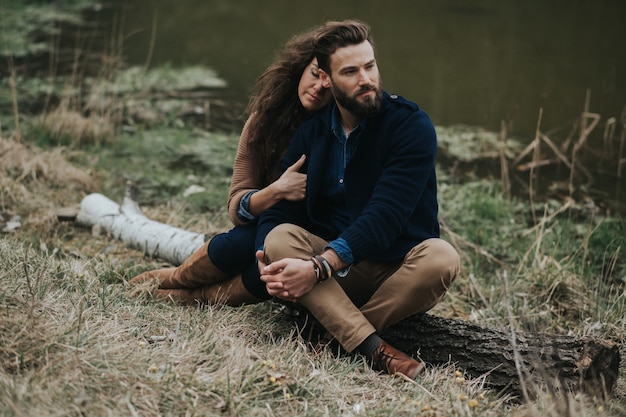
<point x="342" y="151"/>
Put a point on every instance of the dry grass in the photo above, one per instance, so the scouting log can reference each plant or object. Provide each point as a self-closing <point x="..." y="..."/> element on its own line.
<point x="63" y="122"/>
<point x="23" y="164"/>
<point x="34" y="184"/>
<point x="75" y="341"/>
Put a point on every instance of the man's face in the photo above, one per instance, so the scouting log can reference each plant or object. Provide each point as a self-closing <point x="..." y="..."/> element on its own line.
<point x="355" y="81"/>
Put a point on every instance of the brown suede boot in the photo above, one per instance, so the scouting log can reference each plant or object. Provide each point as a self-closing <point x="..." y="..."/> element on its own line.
<point x="159" y="275"/>
<point x="231" y="292"/>
<point x="391" y="361"/>
<point x="195" y="272"/>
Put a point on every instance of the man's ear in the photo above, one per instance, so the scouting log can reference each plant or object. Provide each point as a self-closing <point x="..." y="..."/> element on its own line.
<point x="324" y="78"/>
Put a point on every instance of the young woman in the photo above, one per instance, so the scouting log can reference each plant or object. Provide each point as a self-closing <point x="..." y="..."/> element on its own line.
<point x="224" y="269"/>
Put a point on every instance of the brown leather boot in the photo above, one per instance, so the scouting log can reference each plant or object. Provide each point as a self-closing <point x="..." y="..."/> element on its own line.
<point x="390" y="360"/>
<point x="196" y="271"/>
<point x="230" y="292"/>
<point x="159" y="275"/>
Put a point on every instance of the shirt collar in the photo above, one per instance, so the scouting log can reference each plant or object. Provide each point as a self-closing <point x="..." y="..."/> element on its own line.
<point x="336" y="124"/>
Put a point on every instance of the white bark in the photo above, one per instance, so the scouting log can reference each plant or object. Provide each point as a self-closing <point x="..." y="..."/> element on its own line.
<point x="131" y="226"/>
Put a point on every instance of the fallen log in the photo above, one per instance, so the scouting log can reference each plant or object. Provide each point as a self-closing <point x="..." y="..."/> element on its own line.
<point x="512" y="362"/>
<point x="128" y="224"/>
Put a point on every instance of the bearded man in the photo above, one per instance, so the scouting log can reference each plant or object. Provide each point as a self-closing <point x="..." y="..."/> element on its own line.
<point x="363" y="250"/>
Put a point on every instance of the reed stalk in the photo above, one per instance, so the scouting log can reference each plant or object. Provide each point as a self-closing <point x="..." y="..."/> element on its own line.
<point x="16" y="111"/>
<point x="505" y="181"/>
<point x="586" y="128"/>
<point x="536" y="154"/>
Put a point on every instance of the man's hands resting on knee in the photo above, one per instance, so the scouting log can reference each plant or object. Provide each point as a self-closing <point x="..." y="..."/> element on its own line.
<point x="287" y="278"/>
<point x="292" y="278"/>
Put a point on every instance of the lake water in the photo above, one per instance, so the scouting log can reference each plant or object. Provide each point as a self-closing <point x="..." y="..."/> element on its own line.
<point x="474" y="62"/>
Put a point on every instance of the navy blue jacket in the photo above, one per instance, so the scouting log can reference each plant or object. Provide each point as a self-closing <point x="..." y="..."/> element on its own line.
<point x="390" y="182"/>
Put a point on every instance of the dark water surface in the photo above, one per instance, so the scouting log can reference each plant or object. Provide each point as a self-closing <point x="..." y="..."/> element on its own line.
<point x="474" y="62"/>
<point x="464" y="61"/>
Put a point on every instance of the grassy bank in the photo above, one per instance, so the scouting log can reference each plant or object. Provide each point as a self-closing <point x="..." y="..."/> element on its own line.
<point x="75" y="340"/>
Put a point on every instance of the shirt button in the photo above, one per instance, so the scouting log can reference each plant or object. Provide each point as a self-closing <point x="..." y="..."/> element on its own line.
<point x="340" y="180"/>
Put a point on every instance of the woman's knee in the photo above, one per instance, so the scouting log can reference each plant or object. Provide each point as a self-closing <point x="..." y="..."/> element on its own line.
<point x="230" y="251"/>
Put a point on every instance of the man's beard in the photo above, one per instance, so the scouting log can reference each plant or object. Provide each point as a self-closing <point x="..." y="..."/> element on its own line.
<point x="366" y="108"/>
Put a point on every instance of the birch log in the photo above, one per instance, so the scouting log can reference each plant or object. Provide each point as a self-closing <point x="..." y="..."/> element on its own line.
<point x="128" y="224"/>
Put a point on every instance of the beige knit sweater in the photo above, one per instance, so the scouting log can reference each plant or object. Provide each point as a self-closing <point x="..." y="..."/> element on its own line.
<point x="245" y="175"/>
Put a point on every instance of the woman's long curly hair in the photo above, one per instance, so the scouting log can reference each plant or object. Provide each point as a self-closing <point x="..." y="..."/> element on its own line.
<point x="276" y="107"/>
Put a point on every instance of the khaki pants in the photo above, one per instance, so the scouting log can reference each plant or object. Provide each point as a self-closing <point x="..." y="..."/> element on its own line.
<point x="373" y="295"/>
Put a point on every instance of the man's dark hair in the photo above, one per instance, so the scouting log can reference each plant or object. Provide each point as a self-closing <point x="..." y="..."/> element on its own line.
<point x="336" y="35"/>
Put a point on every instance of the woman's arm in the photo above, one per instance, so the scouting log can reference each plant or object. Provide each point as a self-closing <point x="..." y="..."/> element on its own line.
<point x="245" y="176"/>
<point x="290" y="186"/>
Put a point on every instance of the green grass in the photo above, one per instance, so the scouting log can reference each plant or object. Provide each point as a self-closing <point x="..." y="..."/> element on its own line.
<point x="165" y="162"/>
<point x="21" y="21"/>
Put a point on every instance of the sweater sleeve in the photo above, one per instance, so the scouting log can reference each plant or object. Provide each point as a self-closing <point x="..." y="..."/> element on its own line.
<point x="245" y="176"/>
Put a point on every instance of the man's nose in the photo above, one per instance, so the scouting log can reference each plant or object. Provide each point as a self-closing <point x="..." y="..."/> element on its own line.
<point x="364" y="78"/>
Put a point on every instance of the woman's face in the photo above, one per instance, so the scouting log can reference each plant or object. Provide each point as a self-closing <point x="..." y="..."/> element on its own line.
<point x="310" y="91"/>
